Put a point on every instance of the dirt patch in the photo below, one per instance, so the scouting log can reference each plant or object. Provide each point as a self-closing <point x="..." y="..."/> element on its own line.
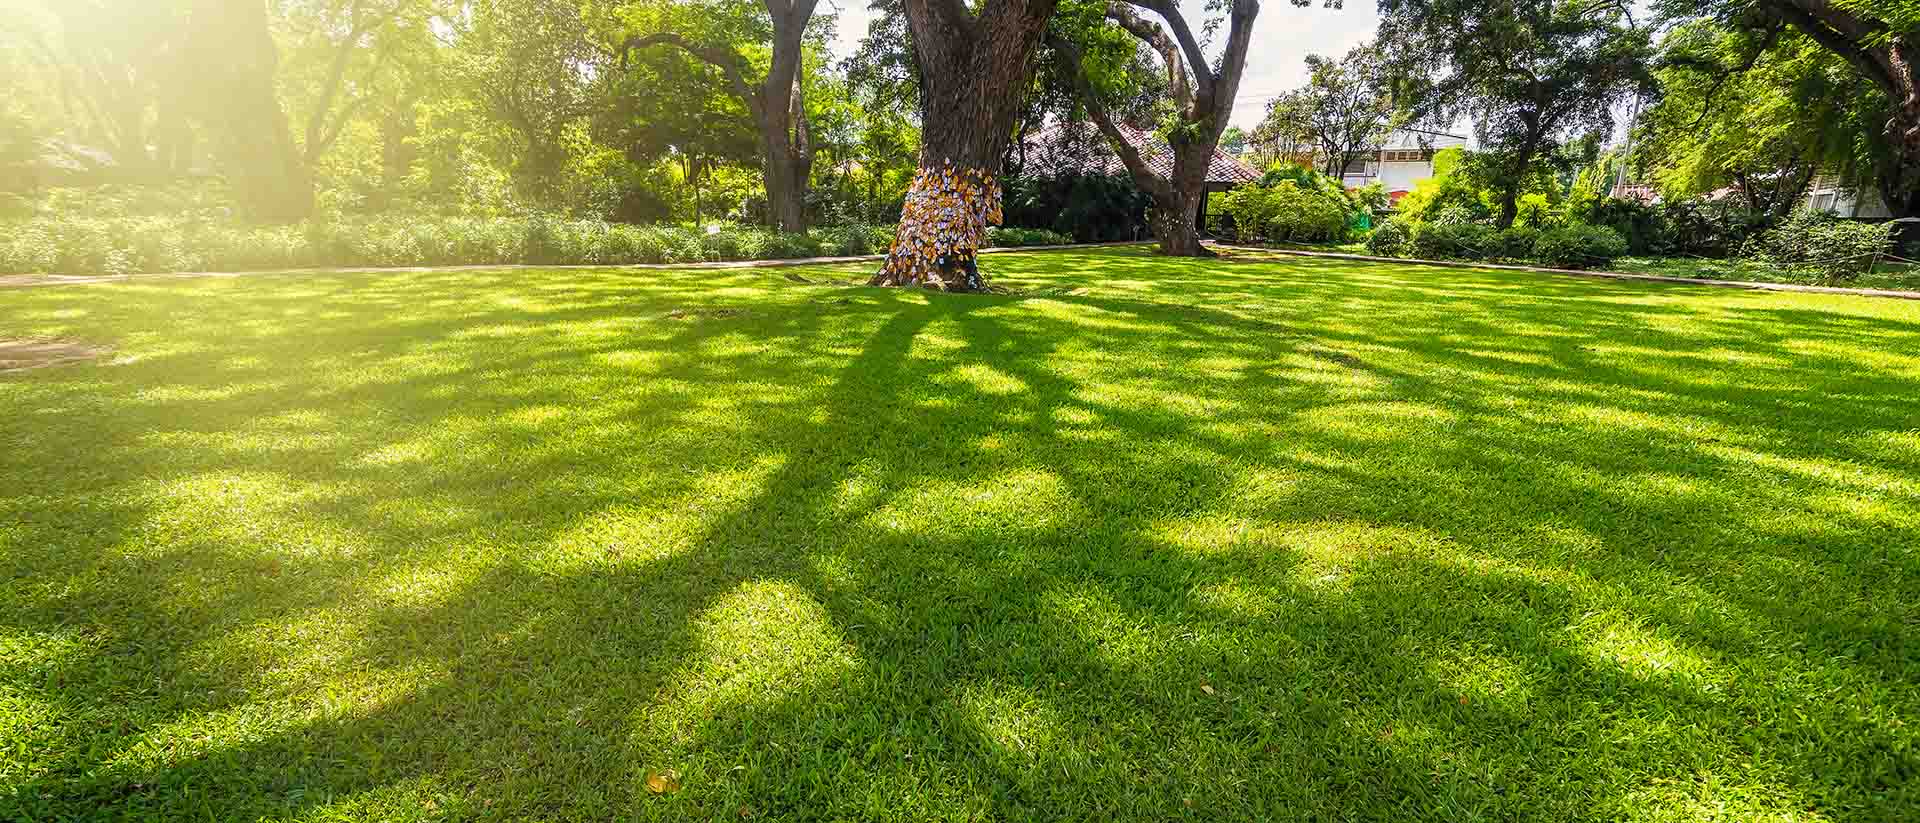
<point x="20" y="355"/>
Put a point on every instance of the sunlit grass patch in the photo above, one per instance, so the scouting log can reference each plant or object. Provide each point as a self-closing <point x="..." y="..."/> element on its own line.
<point x="1254" y="539"/>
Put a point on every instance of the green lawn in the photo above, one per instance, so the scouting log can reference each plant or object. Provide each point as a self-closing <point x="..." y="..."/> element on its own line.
<point x="1251" y="539"/>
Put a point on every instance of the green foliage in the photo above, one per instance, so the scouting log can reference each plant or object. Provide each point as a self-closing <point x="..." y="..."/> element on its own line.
<point x="1285" y="212"/>
<point x="1292" y="204"/>
<point x="1005" y="237"/>
<point x="1573" y="246"/>
<point x="1795" y="108"/>
<point x="1454" y="241"/>
<point x="1090" y="208"/>
<point x="1531" y="76"/>
<point x="121" y="245"/>
<point x="1346" y="107"/>
<point x="1454" y="188"/>
<point x="1578" y="246"/>
<point x="1517" y="242"/>
<point x="1392" y="238"/>
<point x="1821" y="245"/>
<point x="149" y="242"/>
<point x="1692" y="227"/>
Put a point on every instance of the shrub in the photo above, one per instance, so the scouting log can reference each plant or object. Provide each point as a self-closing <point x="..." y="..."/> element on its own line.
<point x="1004" y="237"/>
<point x="1516" y="243"/>
<point x="1454" y="241"/>
<point x="1090" y="208"/>
<point x="1579" y="246"/>
<point x="1285" y="212"/>
<point x="192" y="241"/>
<point x="1392" y="238"/>
<point x="1822" y="245"/>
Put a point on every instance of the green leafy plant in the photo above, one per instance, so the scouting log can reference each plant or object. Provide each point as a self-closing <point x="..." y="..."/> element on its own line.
<point x="1821" y="245"/>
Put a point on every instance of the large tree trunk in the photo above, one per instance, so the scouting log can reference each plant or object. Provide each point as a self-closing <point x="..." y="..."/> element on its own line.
<point x="1509" y="206"/>
<point x="973" y="70"/>
<point x="1173" y="226"/>
<point x="1177" y="204"/>
<point x="1205" y="100"/>
<point x="787" y="157"/>
<point x="229" y="44"/>
<point x="1900" y="171"/>
<point x="778" y="104"/>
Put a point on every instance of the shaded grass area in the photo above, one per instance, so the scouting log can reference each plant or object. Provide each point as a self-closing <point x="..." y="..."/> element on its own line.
<point x="1885" y="275"/>
<point x="1254" y="538"/>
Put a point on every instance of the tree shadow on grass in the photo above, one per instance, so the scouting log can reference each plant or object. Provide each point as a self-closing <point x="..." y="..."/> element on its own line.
<point x="972" y="557"/>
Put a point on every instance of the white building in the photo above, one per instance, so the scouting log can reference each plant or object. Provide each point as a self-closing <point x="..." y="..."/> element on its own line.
<point x="1828" y="193"/>
<point x="1406" y="158"/>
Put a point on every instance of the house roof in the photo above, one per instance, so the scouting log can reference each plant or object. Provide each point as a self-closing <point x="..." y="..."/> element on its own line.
<point x="1405" y="139"/>
<point x="1056" y="148"/>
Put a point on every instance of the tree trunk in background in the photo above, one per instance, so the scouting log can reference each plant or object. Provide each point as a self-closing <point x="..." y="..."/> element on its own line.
<point x="1900" y="173"/>
<point x="778" y="105"/>
<point x="1204" y="100"/>
<point x="1509" y="206"/>
<point x="229" y="48"/>
<point x="973" y="70"/>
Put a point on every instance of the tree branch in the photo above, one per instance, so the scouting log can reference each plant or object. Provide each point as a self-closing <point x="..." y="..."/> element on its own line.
<point x="1129" y="153"/>
<point x="1196" y="58"/>
<point x="1156" y="37"/>
<point x="726" y="60"/>
<point x="1841" y="33"/>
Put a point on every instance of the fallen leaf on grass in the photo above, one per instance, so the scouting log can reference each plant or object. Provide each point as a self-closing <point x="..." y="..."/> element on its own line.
<point x="1206" y="688"/>
<point x="666" y="781"/>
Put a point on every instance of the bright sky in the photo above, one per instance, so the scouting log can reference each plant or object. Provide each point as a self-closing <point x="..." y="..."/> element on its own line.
<point x="1283" y="36"/>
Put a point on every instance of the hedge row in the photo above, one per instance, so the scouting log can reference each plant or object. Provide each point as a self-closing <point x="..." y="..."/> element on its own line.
<point x="1568" y="247"/>
<point x="127" y="245"/>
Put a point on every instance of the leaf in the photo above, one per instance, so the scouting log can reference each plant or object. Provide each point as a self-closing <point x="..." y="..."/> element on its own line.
<point x="1206" y="688"/>
<point x="665" y="781"/>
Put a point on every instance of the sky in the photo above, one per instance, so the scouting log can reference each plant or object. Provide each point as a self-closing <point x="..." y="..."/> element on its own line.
<point x="1283" y="36"/>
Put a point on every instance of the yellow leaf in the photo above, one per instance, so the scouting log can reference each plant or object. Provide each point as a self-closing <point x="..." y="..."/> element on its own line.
<point x="665" y="781"/>
<point x="1206" y="688"/>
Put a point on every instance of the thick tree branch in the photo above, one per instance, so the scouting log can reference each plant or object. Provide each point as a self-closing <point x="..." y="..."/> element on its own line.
<point x="1156" y="37"/>
<point x="1843" y="34"/>
<point x="726" y="60"/>
<point x="1197" y="58"/>
<point x="1233" y="63"/>
<point x="336" y="73"/>
<point x="1103" y="119"/>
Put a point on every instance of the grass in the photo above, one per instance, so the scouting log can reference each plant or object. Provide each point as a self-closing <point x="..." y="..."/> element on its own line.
<point x="1261" y="538"/>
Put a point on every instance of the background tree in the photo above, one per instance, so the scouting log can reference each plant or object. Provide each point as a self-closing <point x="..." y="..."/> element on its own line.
<point x="1879" y="39"/>
<point x="973" y="68"/>
<point x="1529" y="73"/>
<point x="229" y="52"/>
<point x="1202" y="96"/>
<point x="1346" y="108"/>
<point x="529" y="64"/>
<point x="777" y="101"/>
<point x="1762" y="112"/>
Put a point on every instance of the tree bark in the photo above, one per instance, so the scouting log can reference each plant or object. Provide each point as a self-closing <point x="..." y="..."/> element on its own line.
<point x="777" y="103"/>
<point x="1207" y="100"/>
<point x="973" y="70"/>
<point x="229" y="44"/>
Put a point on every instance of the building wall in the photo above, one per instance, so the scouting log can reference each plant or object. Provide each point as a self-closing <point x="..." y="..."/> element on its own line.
<point x="1402" y="175"/>
<point x="1827" y="194"/>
